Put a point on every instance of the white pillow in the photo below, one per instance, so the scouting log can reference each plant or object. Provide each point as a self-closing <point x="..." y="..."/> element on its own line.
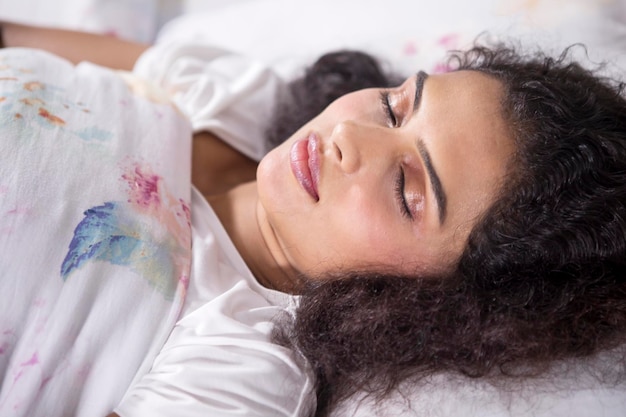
<point x="589" y="388"/>
<point x="410" y="35"/>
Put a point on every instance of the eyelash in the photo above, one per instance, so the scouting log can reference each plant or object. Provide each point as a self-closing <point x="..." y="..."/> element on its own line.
<point x="399" y="191"/>
<point x="400" y="179"/>
<point x="391" y="117"/>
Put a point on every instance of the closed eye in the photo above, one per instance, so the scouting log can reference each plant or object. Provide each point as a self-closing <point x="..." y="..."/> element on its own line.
<point x="392" y="121"/>
<point x="400" y="195"/>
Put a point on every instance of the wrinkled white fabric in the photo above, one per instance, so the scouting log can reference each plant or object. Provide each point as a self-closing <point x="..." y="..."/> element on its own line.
<point x="220" y="91"/>
<point x="219" y="360"/>
<point x="95" y="240"/>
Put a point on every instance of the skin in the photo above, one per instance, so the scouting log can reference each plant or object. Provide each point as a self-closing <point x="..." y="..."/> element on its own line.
<point x="356" y="220"/>
<point x="73" y="45"/>
<point x="357" y="223"/>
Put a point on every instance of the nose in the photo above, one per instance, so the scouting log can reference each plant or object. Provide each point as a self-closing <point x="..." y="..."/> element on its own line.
<point x="353" y="143"/>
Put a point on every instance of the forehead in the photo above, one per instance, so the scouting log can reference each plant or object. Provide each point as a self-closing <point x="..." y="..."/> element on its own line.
<point x="467" y="85"/>
<point x="462" y="120"/>
<point x="469" y="103"/>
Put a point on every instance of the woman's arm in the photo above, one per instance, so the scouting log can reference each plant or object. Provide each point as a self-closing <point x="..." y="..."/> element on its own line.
<point x="73" y="45"/>
<point x="216" y="167"/>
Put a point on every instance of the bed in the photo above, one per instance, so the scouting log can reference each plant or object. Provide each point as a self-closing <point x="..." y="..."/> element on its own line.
<point x="286" y="34"/>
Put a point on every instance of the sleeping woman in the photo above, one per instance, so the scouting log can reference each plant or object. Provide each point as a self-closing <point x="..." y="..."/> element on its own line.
<point x="472" y="221"/>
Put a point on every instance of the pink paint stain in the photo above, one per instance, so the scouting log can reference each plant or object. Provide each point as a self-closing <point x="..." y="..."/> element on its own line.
<point x="449" y="41"/>
<point x="410" y="48"/>
<point x="186" y="212"/>
<point x="12" y="217"/>
<point x="441" y="68"/>
<point x="44" y="382"/>
<point x="34" y="360"/>
<point x="18" y="211"/>
<point x="83" y="372"/>
<point x="39" y="302"/>
<point x="17" y="377"/>
<point x="144" y="187"/>
<point x="184" y="280"/>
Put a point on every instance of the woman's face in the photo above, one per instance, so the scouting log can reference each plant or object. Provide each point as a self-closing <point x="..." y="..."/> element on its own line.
<point x="387" y="180"/>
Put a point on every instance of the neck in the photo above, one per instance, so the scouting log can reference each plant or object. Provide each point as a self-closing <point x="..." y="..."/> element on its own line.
<point x="238" y="211"/>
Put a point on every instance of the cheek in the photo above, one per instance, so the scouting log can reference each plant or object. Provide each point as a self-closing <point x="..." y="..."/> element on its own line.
<point x="365" y="233"/>
<point x="377" y="238"/>
<point x="349" y="106"/>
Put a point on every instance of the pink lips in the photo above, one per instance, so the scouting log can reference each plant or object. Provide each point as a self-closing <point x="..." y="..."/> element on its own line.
<point x="305" y="163"/>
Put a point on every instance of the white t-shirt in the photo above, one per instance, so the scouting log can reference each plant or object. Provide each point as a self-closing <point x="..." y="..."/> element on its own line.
<point x="222" y="92"/>
<point x="95" y="236"/>
<point x="219" y="360"/>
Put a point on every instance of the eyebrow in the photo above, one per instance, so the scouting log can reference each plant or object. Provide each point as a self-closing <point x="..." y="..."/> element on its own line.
<point x="435" y="182"/>
<point x="419" y="87"/>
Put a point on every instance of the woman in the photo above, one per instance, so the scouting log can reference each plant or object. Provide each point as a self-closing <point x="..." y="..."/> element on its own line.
<point x="467" y="212"/>
<point x="540" y="276"/>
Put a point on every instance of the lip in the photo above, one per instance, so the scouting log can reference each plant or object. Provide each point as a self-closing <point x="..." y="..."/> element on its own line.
<point x="304" y="159"/>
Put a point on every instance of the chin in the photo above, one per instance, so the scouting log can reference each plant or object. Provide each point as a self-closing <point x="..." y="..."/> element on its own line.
<point x="272" y="177"/>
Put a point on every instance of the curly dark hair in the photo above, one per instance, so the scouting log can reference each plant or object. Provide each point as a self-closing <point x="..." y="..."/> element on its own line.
<point x="542" y="277"/>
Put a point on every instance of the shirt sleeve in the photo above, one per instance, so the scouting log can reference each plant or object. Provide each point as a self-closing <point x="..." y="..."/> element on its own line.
<point x="219" y="361"/>
<point x="228" y="94"/>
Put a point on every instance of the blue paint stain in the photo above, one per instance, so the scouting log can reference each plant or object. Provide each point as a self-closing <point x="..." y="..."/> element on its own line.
<point x="94" y="134"/>
<point x="99" y="237"/>
<point x="110" y="233"/>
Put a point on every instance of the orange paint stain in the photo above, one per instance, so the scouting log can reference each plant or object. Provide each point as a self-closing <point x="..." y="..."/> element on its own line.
<point x="57" y="121"/>
<point x="33" y="86"/>
<point x="32" y="101"/>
